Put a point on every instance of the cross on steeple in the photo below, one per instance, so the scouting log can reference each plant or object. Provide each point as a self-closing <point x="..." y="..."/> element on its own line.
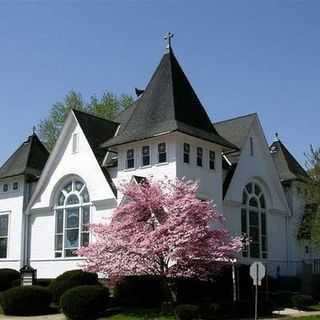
<point x="168" y="37"/>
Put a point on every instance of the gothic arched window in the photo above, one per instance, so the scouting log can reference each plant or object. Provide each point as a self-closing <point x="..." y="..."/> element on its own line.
<point x="254" y="221"/>
<point x="72" y="216"/>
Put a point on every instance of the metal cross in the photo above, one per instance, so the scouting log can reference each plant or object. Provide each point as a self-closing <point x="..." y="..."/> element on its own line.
<point x="168" y="37"/>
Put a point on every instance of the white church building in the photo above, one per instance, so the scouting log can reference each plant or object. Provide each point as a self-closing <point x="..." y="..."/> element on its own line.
<point x="47" y="200"/>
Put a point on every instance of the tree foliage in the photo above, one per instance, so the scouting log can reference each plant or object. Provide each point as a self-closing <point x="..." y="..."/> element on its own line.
<point x="161" y="228"/>
<point x="107" y="106"/>
<point x="313" y="168"/>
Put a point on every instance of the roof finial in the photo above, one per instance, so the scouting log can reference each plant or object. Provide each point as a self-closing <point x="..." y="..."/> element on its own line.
<point x="168" y="37"/>
<point x="34" y="130"/>
<point x="276" y="137"/>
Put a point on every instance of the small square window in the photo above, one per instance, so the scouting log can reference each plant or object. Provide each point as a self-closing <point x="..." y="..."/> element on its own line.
<point x="186" y="153"/>
<point x="162" y="152"/>
<point x="5" y="187"/>
<point x="212" y="157"/>
<point x="145" y="155"/>
<point x="199" y="156"/>
<point x="130" y="158"/>
<point x="15" y="186"/>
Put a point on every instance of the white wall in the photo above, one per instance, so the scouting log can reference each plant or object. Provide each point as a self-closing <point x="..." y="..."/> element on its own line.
<point x="65" y="164"/>
<point x="11" y="202"/>
<point x="210" y="181"/>
<point x="259" y="168"/>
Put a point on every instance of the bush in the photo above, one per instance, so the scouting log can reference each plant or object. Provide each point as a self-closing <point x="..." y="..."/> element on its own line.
<point x="26" y="301"/>
<point x="71" y="279"/>
<point x="140" y="291"/>
<point x="315" y="286"/>
<point x="301" y="302"/>
<point x="186" y="312"/>
<point x="43" y="282"/>
<point x="85" y="302"/>
<point x="191" y="291"/>
<point x="7" y="276"/>
<point x="287" y="284"/>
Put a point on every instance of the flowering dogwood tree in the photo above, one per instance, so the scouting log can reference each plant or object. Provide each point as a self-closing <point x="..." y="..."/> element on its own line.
<point x="161" y="228"/>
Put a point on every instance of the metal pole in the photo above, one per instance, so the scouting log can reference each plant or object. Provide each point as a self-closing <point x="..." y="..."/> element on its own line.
<point x="234" y="283"/>
<point x="256" y="303"/>
<point x="256" y="296"/>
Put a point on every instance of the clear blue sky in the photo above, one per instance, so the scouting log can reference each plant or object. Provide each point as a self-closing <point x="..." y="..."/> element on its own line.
<point x="241" y="57"/>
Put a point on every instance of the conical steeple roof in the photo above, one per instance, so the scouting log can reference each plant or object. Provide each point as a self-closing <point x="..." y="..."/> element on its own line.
<point x="168" y="104"/>
<point x="29" y="159"/>
<point x="287" y="165"/>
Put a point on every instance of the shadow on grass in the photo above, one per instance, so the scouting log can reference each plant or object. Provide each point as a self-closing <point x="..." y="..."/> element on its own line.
<point x="135" y="314"/>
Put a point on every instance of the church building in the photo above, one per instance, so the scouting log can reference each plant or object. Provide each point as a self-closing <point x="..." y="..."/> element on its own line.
<point x="48" y="200"/>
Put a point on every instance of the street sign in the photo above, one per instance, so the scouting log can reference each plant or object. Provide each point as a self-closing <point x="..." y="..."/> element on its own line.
<point x="257" y="273"/>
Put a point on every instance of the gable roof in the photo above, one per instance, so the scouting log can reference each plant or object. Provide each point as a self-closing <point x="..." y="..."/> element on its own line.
<point x="287" y="166"/>
<point x="96" y="130"/>
<point x="28" y="160"/>
<point x="168" y="104"/>
<point x="236" y="130"/>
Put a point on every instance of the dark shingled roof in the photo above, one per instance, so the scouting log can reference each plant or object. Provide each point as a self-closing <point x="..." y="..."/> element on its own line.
<point x="28" y="160"/>
<point x="168" y="104"/>
<point x="288" y="167"/>
<point x="237" y="129"/>
<point x="96" y="130"/>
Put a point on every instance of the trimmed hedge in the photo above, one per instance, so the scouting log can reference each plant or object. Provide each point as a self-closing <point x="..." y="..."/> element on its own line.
<point x="186" y="312"/>
<point x="7" y="276"/>
<point x="71" y="279"/>
<point x="26" y="301"/>
<point x="140" y="291"/>
<point x="85" y="302"/>
<point x="302" y="301"/>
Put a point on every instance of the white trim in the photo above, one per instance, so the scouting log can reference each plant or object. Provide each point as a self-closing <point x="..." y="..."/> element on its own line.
<point x="8" y="213"/>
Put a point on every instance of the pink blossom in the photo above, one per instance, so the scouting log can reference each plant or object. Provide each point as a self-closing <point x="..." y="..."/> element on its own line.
<point x="163" y="229"/>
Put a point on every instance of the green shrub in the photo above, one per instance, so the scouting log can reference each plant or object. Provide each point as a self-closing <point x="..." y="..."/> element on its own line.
<point x="301" y="301"/>
<point x="26" y="301"/>
<point x="315" y="286"/>
<point x="85" y="302"/>
<point x="71" y="279"/>
<point x="186" y="312"/>
<point x="140" y="291"/>
<point x="7" y="276"/>
<point x="43" y="282"/>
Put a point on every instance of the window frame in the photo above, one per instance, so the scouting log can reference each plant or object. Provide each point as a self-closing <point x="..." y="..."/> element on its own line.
<point x="199" y="157"/>
<point x="130" y="159"/>
<point x="7" y="237"/>
<point x="186" y="153"/>
<point x="212" y="162"/>
<point x="253" y="190"/>
<point x="162" y="153"/>
<point x="82" y="205"/>
<point x="147" y="156"/>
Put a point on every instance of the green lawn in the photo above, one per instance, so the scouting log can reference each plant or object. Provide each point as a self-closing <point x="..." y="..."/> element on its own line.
<point x="141" y="315"/>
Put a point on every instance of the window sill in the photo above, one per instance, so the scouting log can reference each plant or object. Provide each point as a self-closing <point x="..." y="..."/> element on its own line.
<point x="129" y="169"/>
<point x="162" y="164"/>
<point x="146" y="167"/>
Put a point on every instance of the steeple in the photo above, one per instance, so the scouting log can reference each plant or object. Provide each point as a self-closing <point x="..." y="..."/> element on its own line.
<point x="168" y="104"/>
<point x="28" y="160"/>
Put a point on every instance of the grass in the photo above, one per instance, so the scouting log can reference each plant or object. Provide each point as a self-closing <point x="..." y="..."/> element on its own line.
<point x="141" y="314"/>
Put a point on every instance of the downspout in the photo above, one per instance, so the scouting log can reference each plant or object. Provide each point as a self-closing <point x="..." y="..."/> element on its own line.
<point x="26" y="228"/>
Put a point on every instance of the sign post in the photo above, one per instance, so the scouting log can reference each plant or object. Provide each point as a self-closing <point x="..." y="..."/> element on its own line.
<point x="257" y="273"/>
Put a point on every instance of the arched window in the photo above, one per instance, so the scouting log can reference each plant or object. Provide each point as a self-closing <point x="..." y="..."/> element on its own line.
<point x="72" y="216"/>
<point x="254" y="222"/>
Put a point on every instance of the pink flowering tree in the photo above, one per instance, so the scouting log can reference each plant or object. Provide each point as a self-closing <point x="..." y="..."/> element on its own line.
<point x="161" y="228"/>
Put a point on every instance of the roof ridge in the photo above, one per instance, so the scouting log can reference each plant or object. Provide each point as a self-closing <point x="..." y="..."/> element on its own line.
<point x="236" y="118"/>
<point x="93" y="115"/>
